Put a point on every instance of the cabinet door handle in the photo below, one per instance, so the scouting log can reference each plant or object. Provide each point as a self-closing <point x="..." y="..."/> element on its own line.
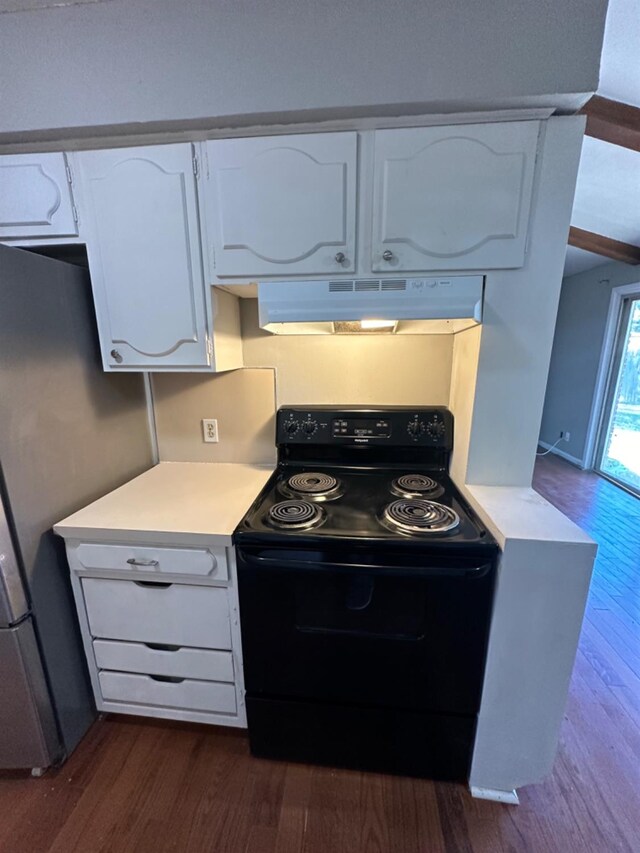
<point x="168" y="679"/>
<point x="153" y="584"/>
<point x="340" y="257"/>
<point x="387" y="255"/>
<point x="116" y="355"/>
<point x="134" y="562"/>
<point x="162" y="647"/>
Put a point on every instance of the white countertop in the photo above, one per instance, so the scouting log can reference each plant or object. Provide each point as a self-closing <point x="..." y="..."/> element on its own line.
<point x="514" y="512"/>
<point x="178" y="502"/>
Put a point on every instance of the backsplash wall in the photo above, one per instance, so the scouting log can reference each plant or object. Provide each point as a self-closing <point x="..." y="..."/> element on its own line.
<point x="242" y="401"/>
<point x="350" y="369"/>
<point x="382" y="370"/>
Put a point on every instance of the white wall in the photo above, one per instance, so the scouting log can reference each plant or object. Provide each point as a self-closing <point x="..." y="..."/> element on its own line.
<point x="543" y="581"/>
<point x="137" y="62"/>
<point x="382" y="370"/>
<point x="464" y="371"/>
<point x="289" y="370"/>
<point x="546" y="562"/>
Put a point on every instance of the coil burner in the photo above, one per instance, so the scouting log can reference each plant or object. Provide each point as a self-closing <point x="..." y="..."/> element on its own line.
<point x="313" y="485"/>
<point x="419" y="516"/>
<point x="416" y="486"/>
<point x="295" y="515"/>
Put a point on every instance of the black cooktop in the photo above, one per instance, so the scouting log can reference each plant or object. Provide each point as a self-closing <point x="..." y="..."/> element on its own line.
<point x="407" y="507"/>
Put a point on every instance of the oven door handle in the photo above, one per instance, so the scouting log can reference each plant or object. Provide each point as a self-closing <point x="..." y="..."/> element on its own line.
<point x="469" y="571"/>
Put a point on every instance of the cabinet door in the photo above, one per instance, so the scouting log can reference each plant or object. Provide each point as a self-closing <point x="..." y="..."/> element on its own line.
<point x="452" y="197"/>
<point x="143" y="241"/>
<point x="35" y="197"/>
<point x="282" y="205"/>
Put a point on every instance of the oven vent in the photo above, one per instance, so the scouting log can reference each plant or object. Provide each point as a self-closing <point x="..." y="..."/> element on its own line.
<point x="368" y="285"/>
<point x="315" y="306"/>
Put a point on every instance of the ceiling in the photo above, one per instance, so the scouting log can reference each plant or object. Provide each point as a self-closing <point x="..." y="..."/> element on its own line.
<point x="620" y="68"/>
<point x="607" y="199"/>
<point x="577" y="260"/>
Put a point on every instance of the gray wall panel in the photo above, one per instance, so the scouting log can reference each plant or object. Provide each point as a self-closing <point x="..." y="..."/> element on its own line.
<point x="577" y="346"/>
<point x="129" y="63"/>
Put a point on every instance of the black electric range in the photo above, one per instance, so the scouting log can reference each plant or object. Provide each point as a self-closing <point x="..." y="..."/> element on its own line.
<point x="383" y="505"/>
<point x="366" y="587"/>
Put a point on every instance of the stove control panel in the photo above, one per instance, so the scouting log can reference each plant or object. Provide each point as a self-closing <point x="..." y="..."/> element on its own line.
<point x="361" y="427"/>
<point x="396" y="427"/>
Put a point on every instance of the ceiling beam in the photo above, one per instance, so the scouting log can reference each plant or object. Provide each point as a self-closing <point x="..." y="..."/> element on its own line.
<point x="606" y="246"/>
<point x="613" y="121"/>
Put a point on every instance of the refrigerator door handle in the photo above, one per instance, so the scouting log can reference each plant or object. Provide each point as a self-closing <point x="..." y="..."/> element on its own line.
<point x="13" y="599"/>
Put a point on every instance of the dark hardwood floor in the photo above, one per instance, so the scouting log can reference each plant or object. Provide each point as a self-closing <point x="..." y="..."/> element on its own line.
<point x="141" y="786"/>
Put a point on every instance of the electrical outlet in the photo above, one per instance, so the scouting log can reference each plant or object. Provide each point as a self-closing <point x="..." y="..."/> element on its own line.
<point x="209" y="429"/>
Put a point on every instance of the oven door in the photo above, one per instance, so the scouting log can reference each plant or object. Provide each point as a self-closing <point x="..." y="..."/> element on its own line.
<point x="345" y="628"/>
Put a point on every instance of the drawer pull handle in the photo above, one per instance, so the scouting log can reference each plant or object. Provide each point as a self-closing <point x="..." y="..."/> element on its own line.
<point x="153" y="584"/>
<point x="168" y="679"/>
<point x="134" y="562"/>
<point x="162" y="647"/>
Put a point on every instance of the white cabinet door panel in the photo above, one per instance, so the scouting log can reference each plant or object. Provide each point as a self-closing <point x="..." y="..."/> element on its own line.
<point x="453" y="197"/>
<point x="35" y="197"/>
<point x="144" y="254"/>
<point x="282" y="205"/>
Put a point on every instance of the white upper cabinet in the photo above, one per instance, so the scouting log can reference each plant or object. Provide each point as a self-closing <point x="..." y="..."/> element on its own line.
<point x="282" y="205"/>
<point x="452" y="197"/>
<point x="35" y="197"/>
<point x="140" y="220"/>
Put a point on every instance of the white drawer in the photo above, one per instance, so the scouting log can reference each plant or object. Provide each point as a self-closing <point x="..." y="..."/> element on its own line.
<point x="199" y="562"/>
<point x="152" y="612"/>
<point x="185" y="693"/>
<point x="171" y="660"/>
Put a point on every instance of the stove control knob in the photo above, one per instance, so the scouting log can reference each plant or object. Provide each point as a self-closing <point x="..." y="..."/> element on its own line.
<point x="415" y="429"/>
<point x="436" y="430"/>
<point x="310" y="427"/>
<point x="291" y="427"/>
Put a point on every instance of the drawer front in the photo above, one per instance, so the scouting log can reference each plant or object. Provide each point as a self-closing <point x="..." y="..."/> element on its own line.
<point x="149" y="612"/>
<point x="169" y="660"/>
<point x="200" y="562"/>
<point x="185" y="693"/>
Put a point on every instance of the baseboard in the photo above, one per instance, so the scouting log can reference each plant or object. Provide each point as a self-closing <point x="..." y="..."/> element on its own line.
<point x="579" y="463"/>
<point x="498" y="796"/>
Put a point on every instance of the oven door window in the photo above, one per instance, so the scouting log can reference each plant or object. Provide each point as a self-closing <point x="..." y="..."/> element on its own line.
<point x="359" y="605"/>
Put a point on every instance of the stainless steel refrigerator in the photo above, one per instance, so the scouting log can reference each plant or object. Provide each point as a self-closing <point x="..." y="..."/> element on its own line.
<point x="69" y="433"/>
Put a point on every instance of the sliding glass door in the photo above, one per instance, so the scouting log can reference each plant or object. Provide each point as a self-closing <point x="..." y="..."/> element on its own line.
<point x="619" y="445"/>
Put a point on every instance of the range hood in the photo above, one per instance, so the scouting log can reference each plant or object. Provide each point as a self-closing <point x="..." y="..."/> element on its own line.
<point x="440" y="305"/>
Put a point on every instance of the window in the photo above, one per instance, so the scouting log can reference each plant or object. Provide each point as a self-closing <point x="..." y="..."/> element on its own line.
<point x="619" y="445"/>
